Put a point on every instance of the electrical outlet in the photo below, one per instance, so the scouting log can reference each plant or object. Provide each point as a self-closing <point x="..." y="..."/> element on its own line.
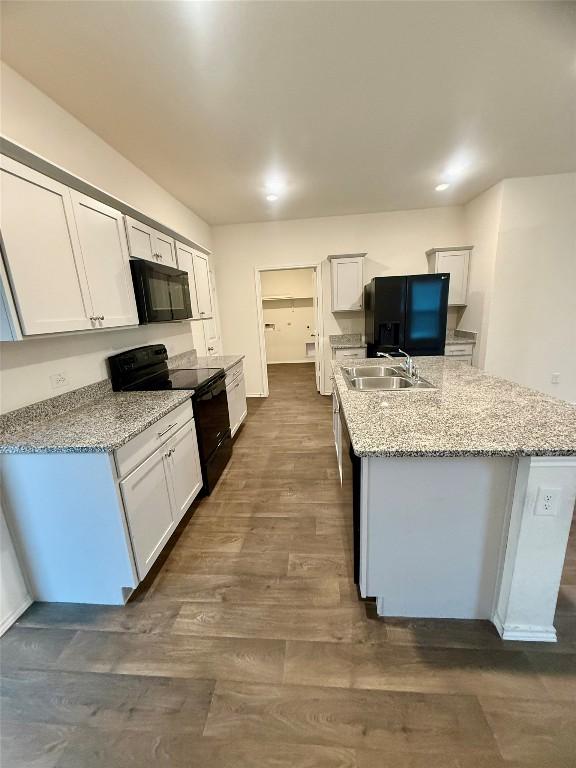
<point x="555" y="378"/>
<point x="547" y="502"/>
<point x="59" y="380"/>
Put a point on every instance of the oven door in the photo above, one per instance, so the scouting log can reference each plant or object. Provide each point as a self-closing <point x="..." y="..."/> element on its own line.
<point x="162" y="293"/>
<point x="212" y="420"/>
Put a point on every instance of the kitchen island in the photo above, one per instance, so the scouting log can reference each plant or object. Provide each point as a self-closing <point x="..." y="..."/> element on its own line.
<point x="463" y="496"/>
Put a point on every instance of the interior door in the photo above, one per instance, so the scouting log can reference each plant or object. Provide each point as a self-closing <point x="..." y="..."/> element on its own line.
<point x="317" y="322"/>
<point x="43" y="254"/>
<point x="202" y="278"/>
<point x="105" y="254"/>
<point x="185" y="471"/>
<point x="148" y="502"/>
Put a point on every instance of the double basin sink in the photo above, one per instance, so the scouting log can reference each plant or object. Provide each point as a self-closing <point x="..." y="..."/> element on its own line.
<point x="374" y="378"/>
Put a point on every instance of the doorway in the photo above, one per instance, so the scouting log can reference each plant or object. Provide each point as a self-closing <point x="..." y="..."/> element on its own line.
<point x="289" y="318"/>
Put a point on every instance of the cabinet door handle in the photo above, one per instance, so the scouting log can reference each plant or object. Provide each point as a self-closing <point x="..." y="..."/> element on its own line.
<point x="202" y="313"/>
<point x="168" y="428"/>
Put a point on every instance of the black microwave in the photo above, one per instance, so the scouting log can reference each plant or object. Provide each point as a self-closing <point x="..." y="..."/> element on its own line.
<point x="162" y="293"/>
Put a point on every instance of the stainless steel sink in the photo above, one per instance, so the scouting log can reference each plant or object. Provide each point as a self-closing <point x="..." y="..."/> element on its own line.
<point x="373" y="370"/>
<point x="383" y="383"/>
<point x="380" y="382"/>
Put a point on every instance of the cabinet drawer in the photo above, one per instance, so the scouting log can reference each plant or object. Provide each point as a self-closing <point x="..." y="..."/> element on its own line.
<point x="140" y="447"/>
<point x="462" y="358"/>
<point x="342" y="354"/>
<point x="233" y="373"/>
<point x="458" y="349"/>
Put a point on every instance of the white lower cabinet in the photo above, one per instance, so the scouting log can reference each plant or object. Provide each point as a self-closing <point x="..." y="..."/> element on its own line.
<point x="236" y="394"/>
<point x="158" y="492"/>
<point x="184" y="468"/>
<point x="146" y="494"/>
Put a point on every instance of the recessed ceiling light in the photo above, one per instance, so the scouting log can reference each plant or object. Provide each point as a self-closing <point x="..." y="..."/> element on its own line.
<point x="271" y="198"/>
<point x="441" y="187"/>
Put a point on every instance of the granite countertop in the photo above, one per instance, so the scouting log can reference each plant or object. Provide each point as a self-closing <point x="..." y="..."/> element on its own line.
<point x="469" y="414"/>
<point x="218" y="361"/>
<point x="94" y="419"/>
<point x="98" y="425"/>
<point x="459" y="341"/>
<point x="346" y="341"/>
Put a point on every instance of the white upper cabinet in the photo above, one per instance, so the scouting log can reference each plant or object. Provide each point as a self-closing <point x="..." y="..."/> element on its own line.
<point x="202" y="278"/>
<point x="185" y="257"/>
<point x="455" y="261"/>
<point x="211" y="337"/>
<point x="347" y="276"/>
<point x="106" y="261"/>
<point x="165" y="249"/>
<point x="43" y="254"/>
<point x="150" y="244"/>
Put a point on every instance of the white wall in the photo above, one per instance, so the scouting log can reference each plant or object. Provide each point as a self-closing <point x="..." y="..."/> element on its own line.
<point x="396" y="243"/>
<point x="288" y="282"/>
<point x="30" y="118"/>
<point x="14" y="597"/>
<point x="482" y="221"/>
<point x="532" y="319"/>
<point x="26" y="366"/>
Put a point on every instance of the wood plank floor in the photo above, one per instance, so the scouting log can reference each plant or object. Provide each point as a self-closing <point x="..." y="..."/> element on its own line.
<point x="249" y="647"/>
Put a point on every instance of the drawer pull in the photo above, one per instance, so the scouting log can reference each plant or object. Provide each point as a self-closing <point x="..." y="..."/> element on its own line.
<point x="168" y="428"/>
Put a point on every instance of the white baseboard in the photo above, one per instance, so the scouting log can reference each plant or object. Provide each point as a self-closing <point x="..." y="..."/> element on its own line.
<point x="14" y="615"/>
<point x="526" y="632"/>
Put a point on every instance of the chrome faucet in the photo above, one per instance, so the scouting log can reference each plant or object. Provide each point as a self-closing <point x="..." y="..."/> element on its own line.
<point x="409" y="364"/>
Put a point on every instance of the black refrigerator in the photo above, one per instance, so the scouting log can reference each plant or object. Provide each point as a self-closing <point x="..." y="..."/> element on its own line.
<point x="407" y="312"/>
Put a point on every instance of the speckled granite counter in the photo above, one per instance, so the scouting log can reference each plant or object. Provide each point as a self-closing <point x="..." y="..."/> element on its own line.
<point x="346" y="340"/>
<point x="96" y="425"/>
<point x="469" y="414"/>
<point x="219" y="361"/>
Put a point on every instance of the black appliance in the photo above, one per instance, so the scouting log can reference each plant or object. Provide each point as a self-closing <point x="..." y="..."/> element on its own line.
<point x="351" y="493"/>
<point x="162" y="293"/>
<point x="408" y="312"/>
<point x="146" y="369"/>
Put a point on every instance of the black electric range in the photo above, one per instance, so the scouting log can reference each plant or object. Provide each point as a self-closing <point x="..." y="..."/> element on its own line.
<point x="146" y="369"/>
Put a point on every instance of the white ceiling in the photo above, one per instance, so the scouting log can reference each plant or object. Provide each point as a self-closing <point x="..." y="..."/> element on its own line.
<point x="359" y="106"/>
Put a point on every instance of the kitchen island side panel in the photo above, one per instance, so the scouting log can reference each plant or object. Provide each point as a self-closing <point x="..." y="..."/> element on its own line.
<point x="67" y="519"/>
<point x="435" y="532"/>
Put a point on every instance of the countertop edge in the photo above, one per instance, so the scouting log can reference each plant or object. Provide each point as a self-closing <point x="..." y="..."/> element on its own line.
<point x="12" y="449"/>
